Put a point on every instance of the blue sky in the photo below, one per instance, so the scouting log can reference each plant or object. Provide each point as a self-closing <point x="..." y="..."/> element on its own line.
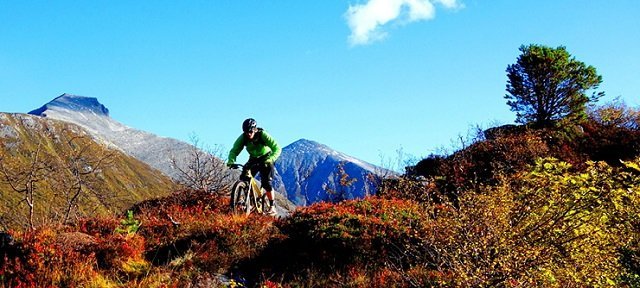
<point x="367" y="78"/>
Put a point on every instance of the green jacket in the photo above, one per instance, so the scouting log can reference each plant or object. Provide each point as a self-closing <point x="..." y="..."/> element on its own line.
<point x="261" y="144"/>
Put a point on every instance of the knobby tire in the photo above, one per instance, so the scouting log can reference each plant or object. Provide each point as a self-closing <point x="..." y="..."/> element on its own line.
<point x="240" y="202"/>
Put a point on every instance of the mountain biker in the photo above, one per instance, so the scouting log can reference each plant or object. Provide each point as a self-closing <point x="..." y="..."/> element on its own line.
<point x="263" y="152"/>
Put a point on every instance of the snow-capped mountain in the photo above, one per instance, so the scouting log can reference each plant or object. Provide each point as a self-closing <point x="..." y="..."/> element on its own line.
<point x="313" y="172"/>
<point x="87" y="112"/>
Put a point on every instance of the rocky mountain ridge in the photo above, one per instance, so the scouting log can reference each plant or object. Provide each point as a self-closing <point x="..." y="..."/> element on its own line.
<point x="89" y="113"/>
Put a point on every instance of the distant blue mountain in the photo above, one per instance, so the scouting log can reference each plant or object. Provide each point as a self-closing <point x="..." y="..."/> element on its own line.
<point x="311" y="172"/>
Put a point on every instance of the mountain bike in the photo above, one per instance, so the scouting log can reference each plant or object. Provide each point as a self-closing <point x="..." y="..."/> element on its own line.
<point x="247" y="196"/>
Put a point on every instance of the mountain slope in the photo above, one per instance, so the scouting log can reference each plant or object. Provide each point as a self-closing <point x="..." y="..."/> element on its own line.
<point x="93" y="116"/>
<point x="313" y="172"/>
<point x="68" y="173"/>
<point x="156" y="151"/>
<point x="308" y="171"/>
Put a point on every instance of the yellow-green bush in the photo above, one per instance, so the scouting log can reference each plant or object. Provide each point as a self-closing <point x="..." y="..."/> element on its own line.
<point x="548" y="227"/>
<point x="551" y="226"/>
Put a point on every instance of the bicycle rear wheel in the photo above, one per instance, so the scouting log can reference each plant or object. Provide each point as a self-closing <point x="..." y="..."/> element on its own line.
<point x="240" y="202"/>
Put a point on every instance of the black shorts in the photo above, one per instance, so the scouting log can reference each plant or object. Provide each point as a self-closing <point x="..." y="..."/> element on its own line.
<point x="264" y="170"/>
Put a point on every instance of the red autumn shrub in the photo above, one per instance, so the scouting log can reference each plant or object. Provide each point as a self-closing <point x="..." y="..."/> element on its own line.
<point x="165" y="220"/>
<point x="410" y="189"/>
<point x="115" y="249"/>
<point x="183" y="241"/>
<point x="192" y="228"/>
<point x="39" y="259"/>
<point x="609" y="143"/>
<point x="187" y="199"/>
<point x="231" y="240"/>
<point x="349" y="242"/>
<point x="99" y="226"/>
<point x="485" y="162"/>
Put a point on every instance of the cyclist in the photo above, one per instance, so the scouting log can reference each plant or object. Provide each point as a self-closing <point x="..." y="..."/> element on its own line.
<point x="263" y="152"/>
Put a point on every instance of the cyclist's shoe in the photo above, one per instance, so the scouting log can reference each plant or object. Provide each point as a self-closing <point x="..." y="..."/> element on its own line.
<point x="272" y="211"/>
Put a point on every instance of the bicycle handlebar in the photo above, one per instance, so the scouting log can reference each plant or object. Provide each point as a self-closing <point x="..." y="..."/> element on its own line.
<point x="235" y="166"/>
<point x="251" y="162"/>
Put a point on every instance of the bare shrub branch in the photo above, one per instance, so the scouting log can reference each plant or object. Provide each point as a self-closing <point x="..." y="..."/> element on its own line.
<point x="203" y="168"/>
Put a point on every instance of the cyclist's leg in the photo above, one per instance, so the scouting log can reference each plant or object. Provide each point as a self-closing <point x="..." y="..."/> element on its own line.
<point x="255" y="169"/>
<point x="266" y="177"/>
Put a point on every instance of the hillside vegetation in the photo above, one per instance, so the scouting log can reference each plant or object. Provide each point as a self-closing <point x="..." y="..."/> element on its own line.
<point x="528" y="207"/>
<point x="54" y="171"/>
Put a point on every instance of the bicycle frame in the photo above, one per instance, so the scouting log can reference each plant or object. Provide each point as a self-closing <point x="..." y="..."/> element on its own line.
<point x="255" y="186"/>
<point x="251" y="199"/>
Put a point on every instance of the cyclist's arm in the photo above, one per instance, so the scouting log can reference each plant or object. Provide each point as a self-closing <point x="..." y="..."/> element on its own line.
<point x="235" y="150"/>
<point x="273" y="145"/>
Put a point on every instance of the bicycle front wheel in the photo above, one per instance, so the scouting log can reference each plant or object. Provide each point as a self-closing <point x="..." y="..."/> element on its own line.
<point x="266" y="204"/>
<point x="240" y="202"/>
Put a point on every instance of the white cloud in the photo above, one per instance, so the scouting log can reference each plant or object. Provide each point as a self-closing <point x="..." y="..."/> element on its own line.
<point x="367" y="20"/>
